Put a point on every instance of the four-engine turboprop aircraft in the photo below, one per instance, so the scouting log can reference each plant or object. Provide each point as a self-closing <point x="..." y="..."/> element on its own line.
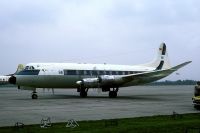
<point x="4" y="80"/>
<point x="109" y="78"/>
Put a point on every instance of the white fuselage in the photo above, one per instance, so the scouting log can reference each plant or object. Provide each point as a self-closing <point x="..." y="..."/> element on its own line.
<point x="84" y="76"/>
<point x="65" y="75"/>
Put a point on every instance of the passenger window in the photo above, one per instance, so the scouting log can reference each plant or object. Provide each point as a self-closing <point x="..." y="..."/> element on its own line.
<point x="71" y="72"/>
<point x="85" y="72"/>
<point x="113" y="73"/>
<point x="97" y="72"/>
<point x="94" y="72"/>
<point x="104" y="72"/>
<point x="131" y="72"/>
<point x="101" y="72"/>
<point x="81" y="72"/>
<point x="88" y="72"/>
<point x="120" y="72"/>
<point x="107" y="72"/>
<point x="65" y="72"/>
<point x="77" y="72"/>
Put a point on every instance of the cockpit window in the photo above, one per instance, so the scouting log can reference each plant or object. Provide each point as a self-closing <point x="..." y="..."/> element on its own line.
<point x="32" y="68"/>
<point x="29" y="68"/>
<point x="26" y="68"/>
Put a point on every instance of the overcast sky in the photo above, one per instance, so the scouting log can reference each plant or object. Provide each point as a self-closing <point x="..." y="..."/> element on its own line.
<point x="100" y="31"/>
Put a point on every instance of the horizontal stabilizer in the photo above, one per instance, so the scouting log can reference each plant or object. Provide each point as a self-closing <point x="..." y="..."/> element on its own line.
<point x="19" y="68"/>
<point x="181" y="65"/>
<point x="152" y="76"/>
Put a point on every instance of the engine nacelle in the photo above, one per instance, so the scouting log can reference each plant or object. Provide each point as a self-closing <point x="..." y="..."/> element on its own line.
<point x="89" y="82"/>
<point x="106" y="79"/>
<point x="101" y="81"/>
<point x="109" y="80"/>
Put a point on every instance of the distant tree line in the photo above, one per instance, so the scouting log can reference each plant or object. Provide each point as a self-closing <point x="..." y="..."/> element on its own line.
<point x="166" y="82"/>
<point x="178" y="82"/>
<point x="8" y="85"/>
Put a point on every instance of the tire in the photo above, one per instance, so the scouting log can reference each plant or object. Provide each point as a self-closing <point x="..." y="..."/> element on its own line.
<point x="115" y="94"/>
<point x="34" y="96"/>
<point x="112" y="94"/>
<point x="197" y="106"/>
<point x="83" y="94"/>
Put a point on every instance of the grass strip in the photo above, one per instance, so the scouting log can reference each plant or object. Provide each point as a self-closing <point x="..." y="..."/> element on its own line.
<point x="184" y="123"/>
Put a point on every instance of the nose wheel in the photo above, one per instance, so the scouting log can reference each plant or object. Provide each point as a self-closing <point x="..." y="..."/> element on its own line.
<point x="34" y="95"/>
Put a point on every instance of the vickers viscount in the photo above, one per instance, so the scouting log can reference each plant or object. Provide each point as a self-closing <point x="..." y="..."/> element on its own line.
<point x="109" y="78"/>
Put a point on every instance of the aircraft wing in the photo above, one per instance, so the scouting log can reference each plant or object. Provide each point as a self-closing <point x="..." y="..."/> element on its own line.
<point x="127" y="80"/>
<point x="148" y="77"/>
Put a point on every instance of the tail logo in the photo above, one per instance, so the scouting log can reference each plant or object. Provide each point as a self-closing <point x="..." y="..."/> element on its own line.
<point x="160" y="65"/>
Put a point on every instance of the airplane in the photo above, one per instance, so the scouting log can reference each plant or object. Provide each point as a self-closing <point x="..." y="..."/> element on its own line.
<point x="4" y="79"/>
<point x="81" y="76"/>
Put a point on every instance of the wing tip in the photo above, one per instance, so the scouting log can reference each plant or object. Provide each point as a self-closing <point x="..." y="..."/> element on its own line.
<point x="181" y="65"/>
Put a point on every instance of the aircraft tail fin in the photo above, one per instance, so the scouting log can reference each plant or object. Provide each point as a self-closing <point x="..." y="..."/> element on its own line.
<point x="20" y="68"/>
<point x="161" y="61"/>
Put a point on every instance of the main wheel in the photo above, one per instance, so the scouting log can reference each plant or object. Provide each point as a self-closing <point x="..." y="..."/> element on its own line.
<point x="34" y="96"/>
<point x="115" y="94"/>
<point x="112" y="94"/>
<point x="83" y="93"/>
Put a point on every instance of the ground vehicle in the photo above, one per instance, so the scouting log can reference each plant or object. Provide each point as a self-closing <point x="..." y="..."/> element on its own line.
<point x="196" y="98"/>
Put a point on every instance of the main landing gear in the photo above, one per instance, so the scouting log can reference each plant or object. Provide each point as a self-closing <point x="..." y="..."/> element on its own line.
<point x="83" y="92"/>
<point x="113" y="93"/>
<point x="34" y="95"/>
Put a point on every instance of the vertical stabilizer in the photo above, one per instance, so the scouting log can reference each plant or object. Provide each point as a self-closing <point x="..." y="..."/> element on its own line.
<point x="161" y="61"/>
<point x="20" y="68"/>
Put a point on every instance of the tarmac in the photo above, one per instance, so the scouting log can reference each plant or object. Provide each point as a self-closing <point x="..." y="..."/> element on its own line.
<point x="17" y="105"/>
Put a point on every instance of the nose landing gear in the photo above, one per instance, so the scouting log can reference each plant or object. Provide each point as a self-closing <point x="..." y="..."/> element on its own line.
<point x="34" y="95"/>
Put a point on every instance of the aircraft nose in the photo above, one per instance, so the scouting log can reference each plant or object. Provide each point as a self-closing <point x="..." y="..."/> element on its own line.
<point x="12" y="80"/>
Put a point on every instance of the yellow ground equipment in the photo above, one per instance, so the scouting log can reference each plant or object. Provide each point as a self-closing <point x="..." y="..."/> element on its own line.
<point x="196" y="98"/>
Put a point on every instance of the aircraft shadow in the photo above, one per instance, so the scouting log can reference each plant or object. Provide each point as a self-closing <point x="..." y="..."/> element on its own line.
<point x="130" y="97"/>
